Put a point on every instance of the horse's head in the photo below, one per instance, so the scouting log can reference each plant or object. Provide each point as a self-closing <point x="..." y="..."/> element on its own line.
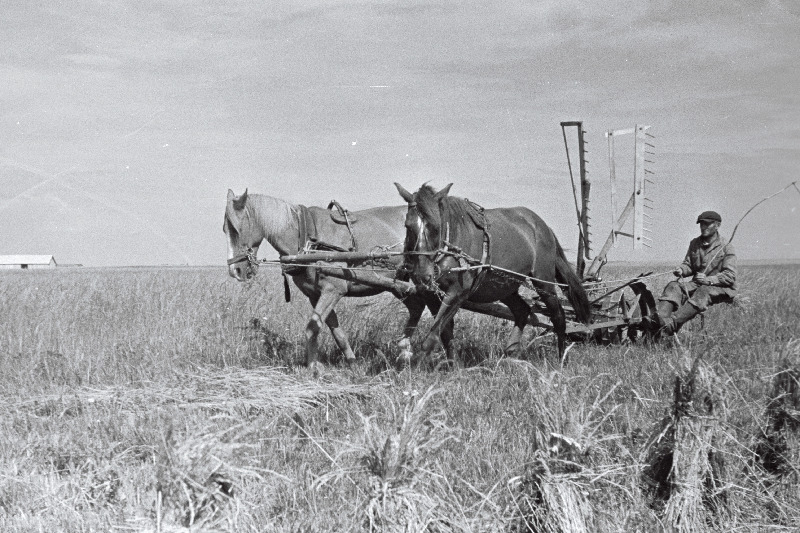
<point x="244" y="237"/>
<point x="423" y="230"/>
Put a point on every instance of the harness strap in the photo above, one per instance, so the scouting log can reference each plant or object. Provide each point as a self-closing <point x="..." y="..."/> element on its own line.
<point x="307" y="227"/>
<point x="237" y="258"/>
<point x="287" y="293"/>
<point x="306" y="232"/>
<point x="346" y="215"/>
<point x="307" y="238"/>
<point x="481" y="223"/>
<point x="485" y="260"/>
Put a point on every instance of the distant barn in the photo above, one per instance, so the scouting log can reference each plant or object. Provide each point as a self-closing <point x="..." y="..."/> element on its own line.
<point x="27" y="261"/>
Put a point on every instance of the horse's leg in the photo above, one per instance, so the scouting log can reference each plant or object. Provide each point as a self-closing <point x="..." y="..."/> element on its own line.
<point x="323" y="306"/>
<point x="340" y="337"/>
<point x="415" y="306"/>
<point x="521" y="311"/>
<point x="556" y="312"/>
<point x="443" y="322"/>
<point x="447" y="330"/>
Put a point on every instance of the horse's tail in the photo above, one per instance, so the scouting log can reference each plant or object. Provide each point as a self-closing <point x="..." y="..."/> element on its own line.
<point x="576" y="294"/>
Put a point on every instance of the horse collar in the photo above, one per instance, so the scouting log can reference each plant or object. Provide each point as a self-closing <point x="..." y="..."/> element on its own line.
<point x="307" y="228"/>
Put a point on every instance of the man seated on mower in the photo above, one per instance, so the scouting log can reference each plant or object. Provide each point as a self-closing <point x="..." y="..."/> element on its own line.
<point x="711" y="262"/>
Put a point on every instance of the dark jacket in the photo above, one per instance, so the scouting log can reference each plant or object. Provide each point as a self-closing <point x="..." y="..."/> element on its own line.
<point x="717" y="260"/>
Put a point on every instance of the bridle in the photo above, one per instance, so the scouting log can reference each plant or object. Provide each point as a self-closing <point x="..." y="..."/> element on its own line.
<point x="447" y="249"/>
<point x="248" y="255"/>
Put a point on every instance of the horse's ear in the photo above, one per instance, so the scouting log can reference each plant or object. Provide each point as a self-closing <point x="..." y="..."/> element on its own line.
<point x="235" y="204"/>
<point x="443" y="193"/>
<point x="407" y="196"/>
<point x="238" y="203"/>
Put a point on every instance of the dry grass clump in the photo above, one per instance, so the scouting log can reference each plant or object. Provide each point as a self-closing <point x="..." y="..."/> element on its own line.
<point x="397" y="458"/>
<point x="571" y="461"/>
<point x="779" y="448"/>
<point x="197" y="476"/>
<point x="685" y="467"/>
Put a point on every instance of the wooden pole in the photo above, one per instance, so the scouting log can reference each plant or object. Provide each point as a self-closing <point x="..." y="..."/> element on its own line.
<point x="612" y="172"/>
<point x="638" y="188"/>
<point x="584" y="245"/>
<point x="336" y="257"/>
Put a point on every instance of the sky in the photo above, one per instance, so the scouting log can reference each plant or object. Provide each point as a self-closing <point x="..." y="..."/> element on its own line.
<point x="124" y="123"/>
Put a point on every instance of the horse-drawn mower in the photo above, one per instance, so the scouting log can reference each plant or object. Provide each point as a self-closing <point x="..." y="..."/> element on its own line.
<point x="329" y="256"/>
<point x="618" y="309"/>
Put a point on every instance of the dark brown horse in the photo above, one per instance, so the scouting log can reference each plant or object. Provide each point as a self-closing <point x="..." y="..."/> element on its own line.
<point x="253" y="218"/>
<point x="444" y="232"/>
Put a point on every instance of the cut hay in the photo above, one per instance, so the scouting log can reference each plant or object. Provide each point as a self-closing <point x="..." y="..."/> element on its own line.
<point x="778" y="449"/>
<point x="685" y="468"/>
<point x="202" y="436"/>
<point x="229" y="391"/>
<point x="397" y="460"/>
<point x="553" y="497"/>
<point x="570" y="462"/>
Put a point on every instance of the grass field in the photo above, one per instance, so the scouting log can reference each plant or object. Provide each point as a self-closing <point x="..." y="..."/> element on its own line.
<point x="173" y="399"/>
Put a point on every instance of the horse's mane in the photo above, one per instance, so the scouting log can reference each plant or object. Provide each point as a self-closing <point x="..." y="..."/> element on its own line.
<point x="456" y="210"/>
<point x="427" y="205"/>
<point x="272" y="214"/>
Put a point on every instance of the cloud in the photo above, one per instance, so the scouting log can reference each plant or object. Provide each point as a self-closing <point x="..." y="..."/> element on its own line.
<point x="271" y="95"/>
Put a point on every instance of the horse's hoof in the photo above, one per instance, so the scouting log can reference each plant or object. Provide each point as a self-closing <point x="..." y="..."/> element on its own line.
<point x="315" y="368"/>
<point x="405" y="358"/>
<point x="446" y="365"/>
<point x="513" y="349"/>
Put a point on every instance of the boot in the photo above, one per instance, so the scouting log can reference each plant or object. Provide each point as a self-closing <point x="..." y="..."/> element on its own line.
<point x="685" y="313"/>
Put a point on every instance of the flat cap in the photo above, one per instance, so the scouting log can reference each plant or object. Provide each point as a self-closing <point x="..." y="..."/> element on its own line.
<point x="709" y="215"/>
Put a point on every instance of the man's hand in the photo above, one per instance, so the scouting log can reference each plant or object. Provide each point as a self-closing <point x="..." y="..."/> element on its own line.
<point x="678" y="272"/>
<point x="700" y="279"/>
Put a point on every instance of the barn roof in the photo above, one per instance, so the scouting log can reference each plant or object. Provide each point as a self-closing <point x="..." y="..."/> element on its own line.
<point x="26" y="259"/>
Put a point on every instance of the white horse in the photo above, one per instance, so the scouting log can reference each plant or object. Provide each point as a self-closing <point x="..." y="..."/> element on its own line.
<point x="253" y="218"/>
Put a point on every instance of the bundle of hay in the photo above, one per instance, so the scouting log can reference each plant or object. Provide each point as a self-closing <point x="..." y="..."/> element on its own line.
<point x="684" y="470"/>
<point x="398" y="460"/>
<point x="779" y="446"/>
<point x="570" y="461"/>
<point x="553" y="496"/>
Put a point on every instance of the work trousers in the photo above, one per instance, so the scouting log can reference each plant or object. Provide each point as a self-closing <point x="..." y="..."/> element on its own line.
<point x="700" y="296"/>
